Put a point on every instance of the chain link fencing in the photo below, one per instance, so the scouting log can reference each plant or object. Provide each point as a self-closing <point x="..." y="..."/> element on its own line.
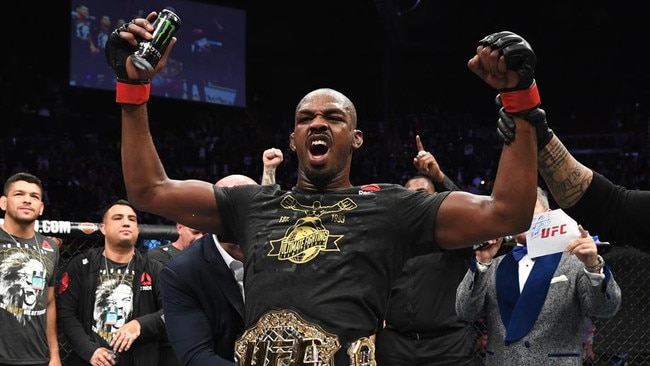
<point x="623" y="340"/>
<point x="77" y="237"/>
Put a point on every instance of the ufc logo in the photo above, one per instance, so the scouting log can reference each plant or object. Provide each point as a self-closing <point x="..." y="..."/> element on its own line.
<point x="283" y="352"/>
<point x="553" y="231"/>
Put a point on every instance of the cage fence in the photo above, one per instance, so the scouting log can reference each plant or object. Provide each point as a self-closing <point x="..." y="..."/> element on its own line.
<point x="77" y="237"/>
<point x="622" y="340"/>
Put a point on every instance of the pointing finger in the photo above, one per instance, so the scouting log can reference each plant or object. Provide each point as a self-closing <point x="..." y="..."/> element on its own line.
<point x="418" y="143"/>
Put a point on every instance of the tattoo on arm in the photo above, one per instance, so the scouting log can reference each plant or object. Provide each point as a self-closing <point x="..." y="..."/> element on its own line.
<point x="565" y="177"/>
<point x="269" y="177"/>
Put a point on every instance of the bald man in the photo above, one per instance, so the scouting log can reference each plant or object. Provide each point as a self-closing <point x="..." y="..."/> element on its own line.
<point x="234" y="180"/>
<point x="203" y="289"/>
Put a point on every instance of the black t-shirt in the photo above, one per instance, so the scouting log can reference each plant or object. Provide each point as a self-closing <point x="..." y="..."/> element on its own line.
<point x="27" y="270"/>
<point x="331" y="257"/>
<point x="423" y="298"/>
<point x="614" y="213"/>
<point x="163" y="253"/>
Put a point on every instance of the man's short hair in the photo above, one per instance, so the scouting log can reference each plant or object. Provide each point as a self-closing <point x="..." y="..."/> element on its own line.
<point x="22" y="176"/>
<point x="122" y="202"/>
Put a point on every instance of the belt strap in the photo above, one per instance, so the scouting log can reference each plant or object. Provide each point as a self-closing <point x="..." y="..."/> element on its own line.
<point x="418" y="336"/>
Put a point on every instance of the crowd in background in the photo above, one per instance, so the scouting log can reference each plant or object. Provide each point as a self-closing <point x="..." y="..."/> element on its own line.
<point x="81" y="169"/>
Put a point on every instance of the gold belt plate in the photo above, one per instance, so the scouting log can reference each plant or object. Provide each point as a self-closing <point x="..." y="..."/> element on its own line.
<point x="283" y="337"/>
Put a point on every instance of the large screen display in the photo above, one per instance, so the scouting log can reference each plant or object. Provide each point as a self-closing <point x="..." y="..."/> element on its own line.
<point x="207" y="64"/>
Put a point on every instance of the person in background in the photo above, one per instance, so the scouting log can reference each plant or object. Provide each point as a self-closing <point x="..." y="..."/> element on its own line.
<point x="109" y="299"/>
<point x="317" y="235"/>
<point x="271" y="159"/>
<point x="28" y="260"/>
<point x="536" y="307"/>
<point x="619" y="215"/>
<point x="203" y="297"/>
<point x="163" y="253"/>
<point x="199" y="286"/>
<point x="85" y="26"/>
<point x="421" y="326"/>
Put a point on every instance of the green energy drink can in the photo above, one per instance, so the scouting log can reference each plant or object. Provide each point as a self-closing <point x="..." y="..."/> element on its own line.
<point x="150" y="52"/>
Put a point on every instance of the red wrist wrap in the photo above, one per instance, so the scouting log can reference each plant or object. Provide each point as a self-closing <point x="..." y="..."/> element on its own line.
<point x="126" y="93"/>
<point x="520" y="100"/>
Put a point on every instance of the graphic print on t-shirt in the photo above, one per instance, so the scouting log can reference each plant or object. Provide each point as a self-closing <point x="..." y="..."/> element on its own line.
<point x="23" y="280"/>
<point x="308" y="236"/>
<point x="113" y="299"/>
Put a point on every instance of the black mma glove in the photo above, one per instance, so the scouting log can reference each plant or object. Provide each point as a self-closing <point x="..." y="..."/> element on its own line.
<point x="128" y="91"/>
<point x="506" y="127"/>
<point x="117" y="52"/>
<point x="519" y="57"/>
<point x="523" y="99"/>
<point x="536" y="116"/>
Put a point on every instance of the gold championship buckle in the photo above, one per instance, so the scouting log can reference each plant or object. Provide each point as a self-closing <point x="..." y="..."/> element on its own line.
<point x="284" y="338"/>
<point x="362" y="352"/>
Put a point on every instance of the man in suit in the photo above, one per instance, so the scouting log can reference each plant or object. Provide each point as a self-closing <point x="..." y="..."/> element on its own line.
<point x="162" y="254"/>
<point x="536" y="308"/>
<point x="203" y="301"/>
<point x="203" y="289"/>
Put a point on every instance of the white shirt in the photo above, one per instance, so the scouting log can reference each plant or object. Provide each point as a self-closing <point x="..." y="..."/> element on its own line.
<point x="236" y="266"/>
<point x="526" y="264"/>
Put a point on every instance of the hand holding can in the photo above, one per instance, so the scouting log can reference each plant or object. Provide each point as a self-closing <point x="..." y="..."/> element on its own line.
<point x="150" y="52"/>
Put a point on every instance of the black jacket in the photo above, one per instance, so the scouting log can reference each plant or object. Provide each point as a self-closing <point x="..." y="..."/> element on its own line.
<point x="204" y="309"/>
<point x="76" y="298"/>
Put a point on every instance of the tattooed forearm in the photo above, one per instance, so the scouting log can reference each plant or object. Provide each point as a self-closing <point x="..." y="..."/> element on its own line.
<point x="565" y="177"/>
<point x="269" y="176"/>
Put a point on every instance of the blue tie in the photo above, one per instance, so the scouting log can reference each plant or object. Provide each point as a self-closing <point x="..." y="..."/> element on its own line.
<point x="519" y="251"/>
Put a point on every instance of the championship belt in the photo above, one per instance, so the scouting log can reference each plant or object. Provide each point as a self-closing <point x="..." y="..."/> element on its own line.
<point x="283" y="337"/>
<point x="362" y="352"/>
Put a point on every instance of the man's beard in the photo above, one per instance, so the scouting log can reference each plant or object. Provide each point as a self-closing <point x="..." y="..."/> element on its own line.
<point x="320" y="178"/>
<point x="24" y="221"/>
<point x="126" y="244"/>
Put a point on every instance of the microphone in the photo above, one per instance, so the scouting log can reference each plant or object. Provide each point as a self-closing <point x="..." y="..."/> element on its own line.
<point x="484" y="245"/>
